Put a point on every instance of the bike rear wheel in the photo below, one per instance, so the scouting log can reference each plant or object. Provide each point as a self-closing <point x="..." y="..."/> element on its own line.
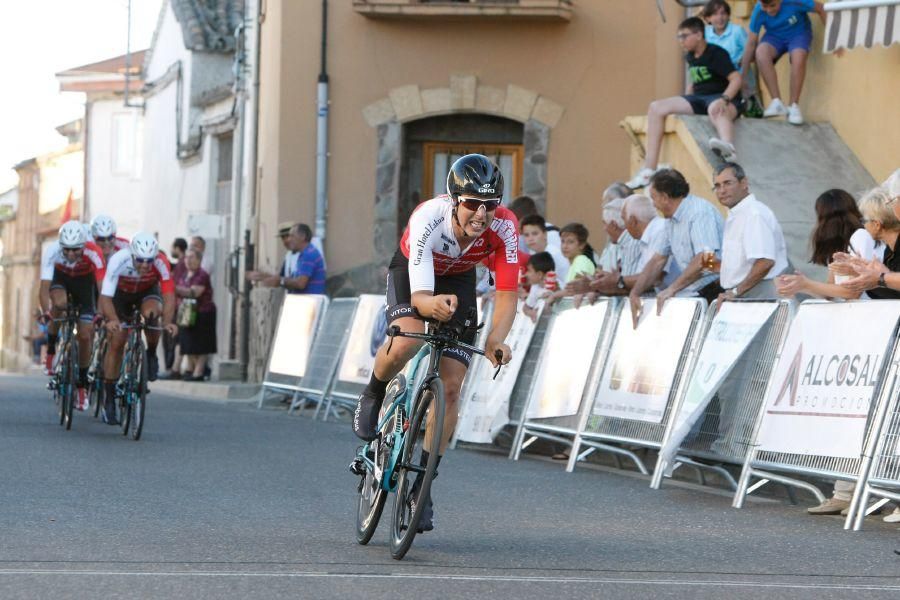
<point x="405" y="518"/>
<point x="138" y="393"/>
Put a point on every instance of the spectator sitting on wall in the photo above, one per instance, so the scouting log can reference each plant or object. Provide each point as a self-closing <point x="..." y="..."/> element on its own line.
<point x="644" y="225"/>
<point x="199" y="244"/>
<point x="839" y="228"/>
<point x="534" y="232"/>
<point x="308" y="274"/>
<point x="580" y="255"/>
<point x="693" y="228"/>
<point x="524" y="206"/>
<point x="753" y="247"/>
<point x="722" y="32"/>
<point x="788" y="30"/>
<point x="714" y="90"/>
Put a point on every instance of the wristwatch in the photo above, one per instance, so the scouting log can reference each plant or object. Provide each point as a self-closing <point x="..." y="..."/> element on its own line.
<point x="881" y="282"/>
<point x="726" y="99"/>
<point x="621" y="282"/>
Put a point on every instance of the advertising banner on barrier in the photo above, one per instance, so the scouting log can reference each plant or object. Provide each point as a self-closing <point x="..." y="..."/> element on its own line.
<point x="486" y="400"/>
<point x="822" y="387"/>
<point x="638" y="377"/>
<point x="367" y="333"/>
<point x="729" y="335"/>
<point x="567" y="357"/>
<point x="296" y="329"/>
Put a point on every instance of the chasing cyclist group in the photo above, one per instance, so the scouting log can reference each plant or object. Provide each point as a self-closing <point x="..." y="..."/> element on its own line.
<point x="107" y="279"/>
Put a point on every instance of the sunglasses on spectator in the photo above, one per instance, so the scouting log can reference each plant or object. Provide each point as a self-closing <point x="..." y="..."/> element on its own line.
<point x="143" y="261"/>
<point x="474" y="204"/>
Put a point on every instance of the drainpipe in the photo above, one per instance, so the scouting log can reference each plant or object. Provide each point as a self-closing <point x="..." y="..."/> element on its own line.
<point x="322" y="137"/>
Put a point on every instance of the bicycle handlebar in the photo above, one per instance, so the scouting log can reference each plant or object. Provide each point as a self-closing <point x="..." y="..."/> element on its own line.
<point x="394" y="331"/>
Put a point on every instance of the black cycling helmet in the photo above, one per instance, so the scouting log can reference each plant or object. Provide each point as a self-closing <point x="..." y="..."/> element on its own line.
<point x="474" y="176"/>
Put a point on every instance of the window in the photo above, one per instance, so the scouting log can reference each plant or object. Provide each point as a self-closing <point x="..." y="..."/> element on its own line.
<point x="127" y="142"/>
<point x="439" y="157"/>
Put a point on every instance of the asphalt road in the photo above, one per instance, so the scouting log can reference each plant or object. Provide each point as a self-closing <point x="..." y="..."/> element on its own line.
<point x="224" y="501"/>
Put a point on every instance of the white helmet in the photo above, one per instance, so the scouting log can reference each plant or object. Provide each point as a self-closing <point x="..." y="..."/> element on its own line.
<point x="71" y="235"/>
<point x="144" y="246"/>
<point x="103" y="226"/>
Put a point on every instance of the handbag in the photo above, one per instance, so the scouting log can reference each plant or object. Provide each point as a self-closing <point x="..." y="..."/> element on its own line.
<point x="187" y="313"/>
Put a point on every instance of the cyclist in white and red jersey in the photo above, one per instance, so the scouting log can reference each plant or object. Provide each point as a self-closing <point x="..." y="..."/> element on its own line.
<point x="137" y="277"/>
<point x="432" y="275"/>
<point x="103" y="230"/>
<point x="74" y="267"/>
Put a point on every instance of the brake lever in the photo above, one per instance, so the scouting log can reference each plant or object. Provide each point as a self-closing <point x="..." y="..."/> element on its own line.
<point x="498" y="354"/>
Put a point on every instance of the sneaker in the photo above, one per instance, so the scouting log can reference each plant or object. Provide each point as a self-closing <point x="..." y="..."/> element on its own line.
<point x="722" y="149"/>
<point x="832" y="506"/>
<point x="894" y="517"/>
<point x="776" y="108"/>
<point x="795" y="117"/>
<point x="641" y="179"/>
<point x="82" y="399"/>
<point x="48" y="365"/>
<point x="365" y="417"/>
<point x="152" y="367"/>
<point x="754" y="109"/>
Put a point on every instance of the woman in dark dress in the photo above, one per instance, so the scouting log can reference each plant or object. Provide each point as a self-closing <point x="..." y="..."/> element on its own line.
<point x="199" y="340"/>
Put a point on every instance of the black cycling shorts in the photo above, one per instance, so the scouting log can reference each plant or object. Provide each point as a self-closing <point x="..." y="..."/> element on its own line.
<point x="82" y="289"/>
<point x="125" y="303"/>
<point x="399" y="300"/>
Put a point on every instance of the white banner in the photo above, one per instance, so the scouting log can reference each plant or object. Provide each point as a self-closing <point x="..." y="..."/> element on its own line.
<point x="485" y="402"/>
<point x="730" y="333"/>
<point x="297" y="324"/>
<point x="367" y="333"/>
<point x="638" y="377"/>
<point x="818" y="402"/>
<point x="568" y="352"/>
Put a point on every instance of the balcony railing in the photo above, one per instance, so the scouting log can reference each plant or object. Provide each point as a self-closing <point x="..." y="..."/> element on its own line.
<point x="548" y="10"/>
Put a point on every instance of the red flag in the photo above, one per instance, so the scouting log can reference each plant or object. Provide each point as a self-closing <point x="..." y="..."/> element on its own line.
<point x="67" y="211"/>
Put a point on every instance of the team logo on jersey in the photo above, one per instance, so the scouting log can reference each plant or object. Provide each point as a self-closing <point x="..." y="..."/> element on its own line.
<point x="446" y="248"/>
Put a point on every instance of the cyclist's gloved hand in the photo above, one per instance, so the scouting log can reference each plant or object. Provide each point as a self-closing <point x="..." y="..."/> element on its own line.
<point x="113" y="326"/>
<point x="98" y="318"/>
<point x="45" y="318"/>
<point x="443" y="306"/>
<point x="492" y="348"/>
<point x="171" y="329"/>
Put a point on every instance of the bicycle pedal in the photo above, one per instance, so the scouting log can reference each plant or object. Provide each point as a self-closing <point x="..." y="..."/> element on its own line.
<point x="358" y="467"/>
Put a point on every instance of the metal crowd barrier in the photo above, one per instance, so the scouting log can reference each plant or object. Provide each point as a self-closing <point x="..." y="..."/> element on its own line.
<point x="325" y="354"/>
<point x="723" y="434"/>
<point x="473" y="377"/>
<point x="299" y="318"/>
<point x="767" y="465"/>
<point x="556" y="346"/>
<point x="880" y="468"/>
<point x="597" y="430"/>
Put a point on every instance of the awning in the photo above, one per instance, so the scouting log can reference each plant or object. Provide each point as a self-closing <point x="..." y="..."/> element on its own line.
<point x="865" y="23"/>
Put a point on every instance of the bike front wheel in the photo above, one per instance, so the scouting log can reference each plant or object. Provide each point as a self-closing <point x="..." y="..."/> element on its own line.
<point x="71" y="395"/>
<point x="139" y="395"/>
<point x="409" y="506"/>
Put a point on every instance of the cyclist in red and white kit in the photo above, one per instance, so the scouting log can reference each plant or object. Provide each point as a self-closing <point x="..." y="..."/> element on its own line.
<point x="103" y="230"/>
<point x="74" y="267"/>
<point x="432" y="275"/>
<point x="137" y="277"/>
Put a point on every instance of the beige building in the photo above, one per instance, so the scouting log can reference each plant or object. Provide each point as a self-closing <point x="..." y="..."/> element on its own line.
<point x="542" y="85"/>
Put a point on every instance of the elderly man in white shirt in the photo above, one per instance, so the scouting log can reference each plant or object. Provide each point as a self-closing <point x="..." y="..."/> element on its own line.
<point x="753" y="247"/>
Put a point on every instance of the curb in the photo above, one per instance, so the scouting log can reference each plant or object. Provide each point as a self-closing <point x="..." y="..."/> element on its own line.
<point x="217" y="391"/>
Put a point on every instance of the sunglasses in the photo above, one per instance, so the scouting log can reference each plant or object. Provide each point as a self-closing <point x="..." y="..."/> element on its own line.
<point x="143" y="261"/>
<point x="103" y="240"/>
<point x="69" y="250"/>
<point x="474" y="205"/>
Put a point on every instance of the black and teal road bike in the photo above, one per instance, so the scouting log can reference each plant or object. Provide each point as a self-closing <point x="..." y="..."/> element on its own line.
<point x="63" y="383"/>
<point x="389" y="464"/>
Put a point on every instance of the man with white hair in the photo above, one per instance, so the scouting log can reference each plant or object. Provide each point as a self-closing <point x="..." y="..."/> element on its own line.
<point x="620" y="242"/>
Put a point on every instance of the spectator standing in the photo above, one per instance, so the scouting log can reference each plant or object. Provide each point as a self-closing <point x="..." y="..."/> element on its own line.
<point x="714" y="90"/>
<point x="171" y="355"/>
<point x="839" y="228"/>
<point x="524" y="206"/>
<point x="539" y="265"/>
<point x="693" y="228"/>
<point x="753" y="247"/>
<point x="787" y="31"/>
<point x="199" y="244"/>
<point x="576" y="249"/>
<point x="197" y="341"/>
<point x="290" y="257"/>
<point x="619" y="241"/>
<point x="308" y="273"/>
<point x="534" y="232"/>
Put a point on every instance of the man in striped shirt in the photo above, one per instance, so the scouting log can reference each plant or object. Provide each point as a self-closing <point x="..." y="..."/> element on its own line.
<point x="693" y="229"/>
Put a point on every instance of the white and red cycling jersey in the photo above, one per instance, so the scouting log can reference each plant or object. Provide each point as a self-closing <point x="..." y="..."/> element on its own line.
<point x="431" y="247"/>
<point x="90" y="263"/>
<point x="121" y="275"/>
